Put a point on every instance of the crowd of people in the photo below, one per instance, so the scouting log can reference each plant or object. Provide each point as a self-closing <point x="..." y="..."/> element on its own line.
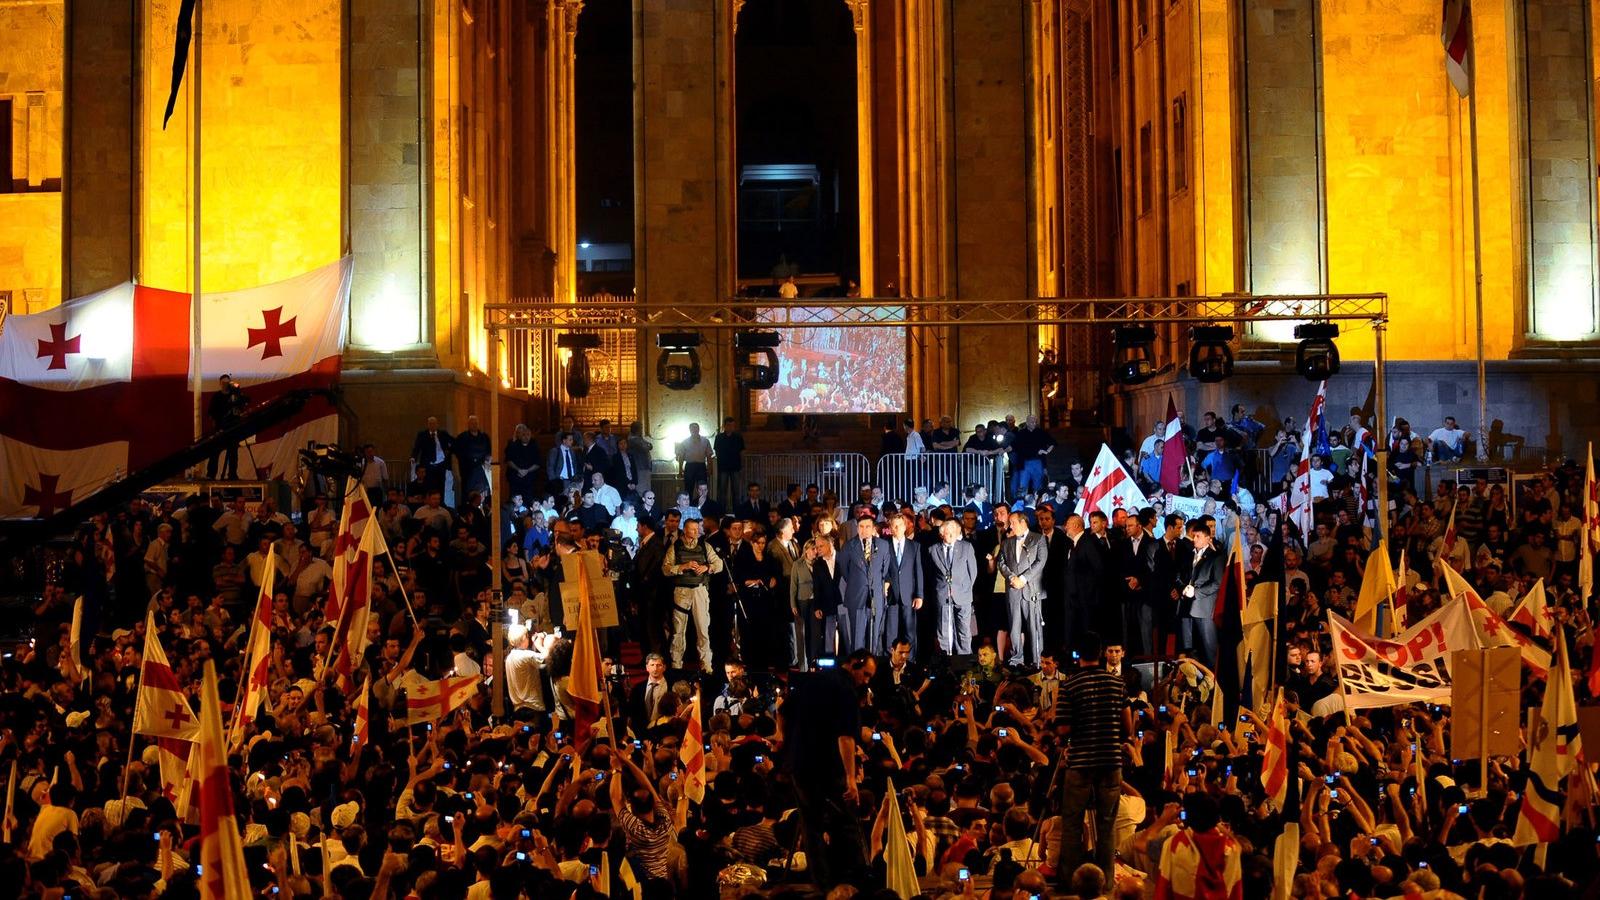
<point x="1026" y="685"/>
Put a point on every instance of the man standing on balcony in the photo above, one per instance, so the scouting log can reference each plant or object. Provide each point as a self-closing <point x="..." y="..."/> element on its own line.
<point x="1032" y="447"/>
<point x="693" y="453"/>
<point x="728" y="448"/>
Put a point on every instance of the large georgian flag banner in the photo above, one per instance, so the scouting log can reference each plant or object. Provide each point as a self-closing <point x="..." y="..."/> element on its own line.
<point x="100" y="386"/>
<point x="1412" y="668"/>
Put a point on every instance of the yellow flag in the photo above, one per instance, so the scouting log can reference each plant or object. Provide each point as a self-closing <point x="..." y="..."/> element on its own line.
<point x="1377" y="585"/>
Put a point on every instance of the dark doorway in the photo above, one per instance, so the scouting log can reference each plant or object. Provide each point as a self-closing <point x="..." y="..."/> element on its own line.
<point x="795" y="80"/>
<point x="603" y="138"/>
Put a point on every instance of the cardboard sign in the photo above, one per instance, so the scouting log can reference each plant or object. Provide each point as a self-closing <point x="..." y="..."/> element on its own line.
<point x="1494" y="675"/>
<point x="586" y="565"/>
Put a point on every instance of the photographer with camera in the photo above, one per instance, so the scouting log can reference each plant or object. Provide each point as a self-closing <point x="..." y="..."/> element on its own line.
<point x="226" y="408"/>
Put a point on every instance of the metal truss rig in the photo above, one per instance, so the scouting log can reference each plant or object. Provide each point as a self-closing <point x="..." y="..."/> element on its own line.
<point x="606" y="313"/>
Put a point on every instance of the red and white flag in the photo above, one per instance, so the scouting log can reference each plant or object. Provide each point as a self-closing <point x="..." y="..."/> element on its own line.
<point x="1493" y="630"/>
<point x="1456" y="33"/>
<point x="1173" y="450"/>
<point x="221" y="872"/>
<point x="258" y="658"/>
<point x="1450" y="531"/>
<point x="692" y="752"/>
<point x="352" y="587"/>
<point x="1534" y="612"/>
<point x="1554" y="748"/>
<point x="1109" y="487"/>
<point x="430" y="701"/>
<point x="1301" y="494"/>
<point x="1402" y="594"/>
<point x="173" y="756"/>
<point x="161" y="709"/>
<point x="1275" y="772"/>
<point x="100" y="385"/>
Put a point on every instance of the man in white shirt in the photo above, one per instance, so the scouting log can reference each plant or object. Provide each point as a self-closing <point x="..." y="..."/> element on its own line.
<point x="374" y="472"/>
<point x="1448" y="441"/>
<point x="605" y="494"/>
<point x="914" y="445"/>
<point x="523" y="663"/>
<point x="1320" y="477"/>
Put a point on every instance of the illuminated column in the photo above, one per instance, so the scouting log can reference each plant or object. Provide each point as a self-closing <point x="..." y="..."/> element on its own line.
<point x="562" y="222"/>
<point x="922" y="148"/>
<point x="1561" y="165"/>
<point x="385" y="160"/>
<point x="861" y="16"/>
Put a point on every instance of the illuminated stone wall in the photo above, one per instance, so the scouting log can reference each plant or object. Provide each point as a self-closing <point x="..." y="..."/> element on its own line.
<point x="31" y="78"/>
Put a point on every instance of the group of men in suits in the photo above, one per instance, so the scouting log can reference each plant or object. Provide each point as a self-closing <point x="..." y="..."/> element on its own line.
<point x="1025" y="580"/>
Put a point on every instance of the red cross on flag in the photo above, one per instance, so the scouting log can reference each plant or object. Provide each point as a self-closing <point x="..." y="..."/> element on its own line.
<point x="430" y="701"/>
<point x="1534" y="612"/>
<point x="107" y="377"/>
<point x="161" y="710"/>
<point x="692" y="752"/>
<point x="1109" y="487"/>
<point x="350" y="597"/>
<point x="258" y="662"/>
<point x="1302" y="492"/>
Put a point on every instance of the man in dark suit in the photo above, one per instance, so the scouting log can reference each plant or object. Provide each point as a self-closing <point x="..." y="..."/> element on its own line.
<point x="863" y="572"/>
<point x="1200" y="581"/>
<point x="953" y="572"/>
<point x="1085" y="577"/>
<point x="1058" y="549"/>
<point x="1021" y="561"/>
<point x="565" y="465"/>
<point x="1170" y="553"/>
<point x="472" y="451"/>
<point x="1136" y="567"/>
<point x="644" y="701"/>
<point x="431" y="450"/>
<point x="753" y="507"/>
<point x="989" y="604"/>
<point x="905" y="586"/>
<point x="655" y="598"/>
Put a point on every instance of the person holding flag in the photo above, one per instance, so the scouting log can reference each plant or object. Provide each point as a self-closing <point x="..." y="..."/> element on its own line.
<point x="1311" y="479"/>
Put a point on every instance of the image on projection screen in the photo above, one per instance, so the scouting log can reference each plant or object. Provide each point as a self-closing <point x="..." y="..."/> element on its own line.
<point x="838" y="370"/>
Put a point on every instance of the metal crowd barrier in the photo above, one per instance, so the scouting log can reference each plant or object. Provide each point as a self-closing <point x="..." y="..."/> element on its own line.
<point x="841" y="473"/>
<point x="900" y="476"/>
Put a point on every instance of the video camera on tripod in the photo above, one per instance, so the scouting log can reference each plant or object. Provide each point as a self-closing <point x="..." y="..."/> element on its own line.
<point x="329" y="461"/>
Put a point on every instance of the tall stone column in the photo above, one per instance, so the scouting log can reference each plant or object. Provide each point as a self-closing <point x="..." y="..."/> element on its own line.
<point x="561" y="30"/>
<point x="100" y="239"/>
<point x="989" y="184"/>
<point x="683" y="189"/>
<point x="1561" y="166"/>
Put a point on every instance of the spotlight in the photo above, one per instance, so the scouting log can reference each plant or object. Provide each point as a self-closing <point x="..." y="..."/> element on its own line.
<point x="1317" y="357"/>
<point x="577" y="343"/>
<point x="1210" y="357"/>
<point x="759" y="369"/>
<point x="1134" y="360"/>
<point x="677" y="375"/>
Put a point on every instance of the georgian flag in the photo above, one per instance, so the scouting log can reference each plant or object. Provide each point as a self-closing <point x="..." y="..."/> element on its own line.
<point x="352" y="586"/>
<point x="1315" y="441"/>
<point x="161" y="710"/>
<point x="100" y="385"/>
<point x="222" y="867"/>
<point x="1275" y="769"/>
<point x="1109" y="487"/>
<point x="1534" y="612"/>
<point x="1493" y="630"/>
<point x="430" y="701"/>
<point x="1456" y="33"/>
<point x="258" y="659"/>
<point x="692" y="753"/>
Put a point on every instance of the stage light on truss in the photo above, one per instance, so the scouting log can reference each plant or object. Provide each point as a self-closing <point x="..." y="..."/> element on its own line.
<point x="1134" y="360"/>
<point x="1317" y="357"/>
<point x="1210" y="357"/>
<point x="577" y="343"/>
<point x="678" y="365"/>
<point x="757" y="369"/>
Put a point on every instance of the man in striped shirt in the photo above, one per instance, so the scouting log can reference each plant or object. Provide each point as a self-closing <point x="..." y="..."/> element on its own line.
<point x="645" y="820"/>
<point x="1093" y="715"/>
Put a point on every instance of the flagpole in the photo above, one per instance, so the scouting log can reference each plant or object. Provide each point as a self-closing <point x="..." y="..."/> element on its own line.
<point x="1477" y="236"/>
<point x="586" y="598"/>
<point x="197" y="377"/>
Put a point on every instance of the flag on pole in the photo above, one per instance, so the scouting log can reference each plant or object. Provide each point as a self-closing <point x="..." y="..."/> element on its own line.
<point x="1231" y="602"/>
<point x="75" y="652"/>
<point x="258" y="658"/>
<point x="363" y="728"/>
<point x="584" y="684"/>
<point x="1456" y="33"/>
<point x="1109" y="487"/>
<point x="222" y="872"/>
<point x="349" y="605"/>
<point x="1589" y="539"/>
<point x="1534" y="612"/>
<point x="161" y="709"/>
<point x="1377" y="585"/>
<point x="692" y="753"/>
<point x="172" y="756"/>
<point x="1493" y="630"/>
<point x="1275" y="771"/>
<point x="1173" y="450"/>
<point x="1450" y="531"/>
<point x="1315" y="443"/>
<point x="1553" y="751"/>
<point x="899" y="874"/>
<point x="1402" y="595"/>
<point x="1255" y="646"/>
<point x="430" y="701"/>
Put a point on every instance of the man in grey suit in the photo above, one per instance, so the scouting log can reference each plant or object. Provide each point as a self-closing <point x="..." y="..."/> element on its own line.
<point x="954" y="571"/>
<point x="863" y="573"/>
<point x="1199" y="584"/>
<point x="1022" y="560"/>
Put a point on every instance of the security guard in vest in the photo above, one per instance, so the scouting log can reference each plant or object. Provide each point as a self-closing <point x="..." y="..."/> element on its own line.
<point x="690" y="563"/>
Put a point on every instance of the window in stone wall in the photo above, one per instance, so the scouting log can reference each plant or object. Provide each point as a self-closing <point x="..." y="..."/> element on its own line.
<point x="6" y="169"/>
<point x="1146" y="171"/>
<point x="1180" y="143"/>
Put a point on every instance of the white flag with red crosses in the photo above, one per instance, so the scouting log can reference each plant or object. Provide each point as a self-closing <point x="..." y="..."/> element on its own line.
<point x="108" y="376"/>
